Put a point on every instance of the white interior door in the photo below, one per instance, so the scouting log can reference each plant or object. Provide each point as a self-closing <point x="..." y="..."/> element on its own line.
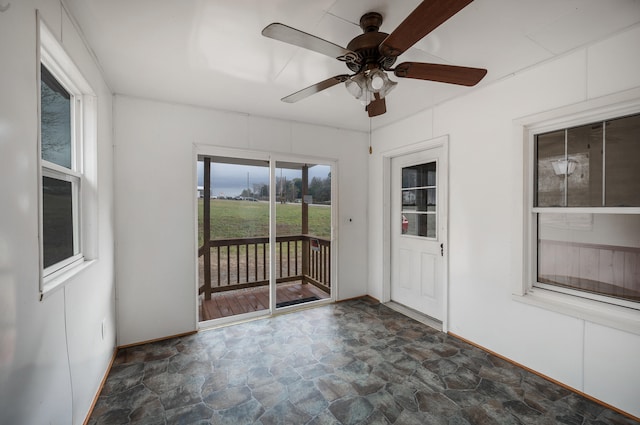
<point x="418" y="226"/>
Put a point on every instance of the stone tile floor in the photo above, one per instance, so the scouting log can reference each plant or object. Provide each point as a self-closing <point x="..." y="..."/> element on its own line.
<point x="349" y="363"/>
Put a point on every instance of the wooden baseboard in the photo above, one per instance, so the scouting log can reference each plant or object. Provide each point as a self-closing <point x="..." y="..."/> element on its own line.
<point x="104" y="379"/>
<point x="565" y="386"/>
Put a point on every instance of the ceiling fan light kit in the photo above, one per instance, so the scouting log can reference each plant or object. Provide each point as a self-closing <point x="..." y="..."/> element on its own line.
<point x="365" y="85"/>
<point x="372" y="54"/>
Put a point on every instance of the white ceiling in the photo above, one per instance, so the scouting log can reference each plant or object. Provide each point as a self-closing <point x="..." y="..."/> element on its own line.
<point x="211" y="52"/>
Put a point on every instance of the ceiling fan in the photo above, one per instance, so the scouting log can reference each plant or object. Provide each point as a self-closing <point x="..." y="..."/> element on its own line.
<point x="372" y="54"/>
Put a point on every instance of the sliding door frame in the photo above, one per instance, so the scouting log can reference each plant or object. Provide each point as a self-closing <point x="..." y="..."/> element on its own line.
<point x="272" y="158"/>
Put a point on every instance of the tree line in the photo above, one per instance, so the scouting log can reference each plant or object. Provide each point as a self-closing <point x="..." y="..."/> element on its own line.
<point x="290" y="190"/>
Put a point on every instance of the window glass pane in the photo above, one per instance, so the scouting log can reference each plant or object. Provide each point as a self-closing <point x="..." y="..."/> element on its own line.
<point x="419" y="200"/>
<point x="584" y="166"/>
<point x="409" y="200"/>
<point x="597" y="253"/>
<point x="419" y="175"/>
<point x="57" y="220"/>
<point x="55" y="120"/>
<point x="550" y="175"/>
<point x="622" y="157"/>
<point x="419" y="224"/>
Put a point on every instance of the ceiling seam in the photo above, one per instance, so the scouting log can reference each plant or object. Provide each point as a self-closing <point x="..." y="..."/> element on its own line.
<point x="87" y="46"/>
<point x="342" y="19"/>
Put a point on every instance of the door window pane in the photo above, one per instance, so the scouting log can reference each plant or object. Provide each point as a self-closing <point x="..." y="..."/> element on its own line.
<point x="419" y="195"/>
<point x="55" y="121"/>
<point x="419" y="200"/>
<point x="623" y="162"/>
<point x="419" y="225"/>
<point x="57" y="220"/>
<point x="419" y="175"/>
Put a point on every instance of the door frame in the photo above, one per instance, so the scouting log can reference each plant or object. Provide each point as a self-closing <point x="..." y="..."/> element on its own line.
<point x="387" y="156"/>
<point x="272" y="158"/>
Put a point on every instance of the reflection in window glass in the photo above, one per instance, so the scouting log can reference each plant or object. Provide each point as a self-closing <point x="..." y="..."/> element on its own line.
<point x="570" y="172"/>
<point x="549" y="173"/>
<point x="584" y="155"/>
<point x="623" y="162"/>
<point x="55" y="104"/>
<point x="419" y="175"/>
<point x="409" y="199"/>
<point x="57" y="220"/>
<point x="596" y="253"/>
<point x="419" y="225"/>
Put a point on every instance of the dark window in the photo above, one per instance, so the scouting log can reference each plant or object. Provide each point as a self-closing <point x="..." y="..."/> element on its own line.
<point x="57" y="220"/>
<point x="419" y="200"/>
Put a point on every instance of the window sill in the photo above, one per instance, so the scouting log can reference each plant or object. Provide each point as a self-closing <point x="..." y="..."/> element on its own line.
<point x="51" y="284"/>
<point x="617" y="317"/>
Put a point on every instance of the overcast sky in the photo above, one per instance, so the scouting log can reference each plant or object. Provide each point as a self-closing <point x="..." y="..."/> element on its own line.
<point x="231" y="179"/>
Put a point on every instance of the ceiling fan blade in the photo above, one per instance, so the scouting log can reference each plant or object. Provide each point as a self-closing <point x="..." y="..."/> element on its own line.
<point x="317" y="87"/>
<point x="299" y="38"/>
<point x="429" y="15"/>
<point x="376" y="107"/>
<point x="451" y="74"/>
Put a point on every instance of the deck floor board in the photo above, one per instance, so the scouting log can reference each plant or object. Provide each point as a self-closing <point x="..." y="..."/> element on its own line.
<point x="225" y="304"/>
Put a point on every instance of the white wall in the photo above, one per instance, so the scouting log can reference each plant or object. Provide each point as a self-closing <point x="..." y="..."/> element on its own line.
<point x="486" y="220"/>
<point x="52" y="355"/>
<point x="155" y="215"/>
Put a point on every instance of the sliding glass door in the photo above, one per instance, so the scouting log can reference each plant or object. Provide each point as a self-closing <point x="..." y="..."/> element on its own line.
<point x="243" y="269"/>
<point x="233" y="237"/>
<point x="303" y="233"/>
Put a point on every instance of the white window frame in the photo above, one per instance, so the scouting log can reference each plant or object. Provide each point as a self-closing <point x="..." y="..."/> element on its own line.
<point x="76" y="180"/>
<point x="608" y="311"/>
<point x="83" y="172"/>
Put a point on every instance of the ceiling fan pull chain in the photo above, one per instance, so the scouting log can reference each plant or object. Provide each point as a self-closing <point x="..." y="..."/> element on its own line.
<point x="370" y="148"/>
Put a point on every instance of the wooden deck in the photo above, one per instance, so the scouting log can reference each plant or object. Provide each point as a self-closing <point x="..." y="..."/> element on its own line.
<point x="229" y="303"/>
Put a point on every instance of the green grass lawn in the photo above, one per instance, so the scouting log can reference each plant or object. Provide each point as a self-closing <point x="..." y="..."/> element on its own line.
<point x="244" y="219"/>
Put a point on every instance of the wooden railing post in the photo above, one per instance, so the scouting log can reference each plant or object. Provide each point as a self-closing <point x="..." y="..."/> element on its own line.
<point x="206" y="228"/>
<point x="305" y="223"/>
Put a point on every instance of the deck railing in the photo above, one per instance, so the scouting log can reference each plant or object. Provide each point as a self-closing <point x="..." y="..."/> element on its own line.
<point x="229" y="264"/>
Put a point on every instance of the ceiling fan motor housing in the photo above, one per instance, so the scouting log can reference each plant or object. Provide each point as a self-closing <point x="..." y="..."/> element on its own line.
<point x="366" y="45"/>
